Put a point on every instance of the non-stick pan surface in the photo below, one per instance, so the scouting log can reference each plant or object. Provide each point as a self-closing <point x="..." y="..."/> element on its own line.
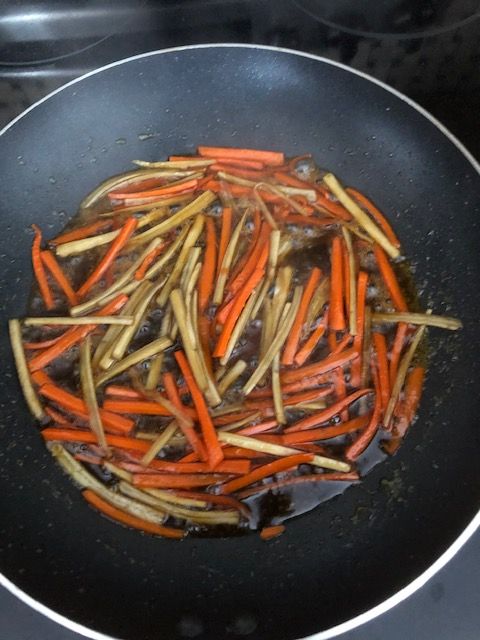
<point x="354" y="551"/>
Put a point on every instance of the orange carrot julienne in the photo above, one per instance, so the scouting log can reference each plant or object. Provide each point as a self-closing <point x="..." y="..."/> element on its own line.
<point x="362" y="283"/>
<point x="376" y="214"/>
<point x="56" y="416"/>
<point x="74" y="404"/>
<point x="291" y="181"/>
<point x="335" y="208"/>
<point x="222" y="501"/>
<point x="269" y="158"/>
<point x="309" y="345"/>
<point x="261" y="427"/>
<point x="310" y="395"/>
<point x="396" y="350"/>
<point x="235" y="467"/>
<point x="56" y="271"/>
<point x="334" y="476"/>
<point x="71" y="338"/>
<point x="239" y="303"/>
<point x="88" y="437"/>
<point x="292" y="387"/>
<point x="115" y="248"/>
<point x="190" y="434"/>
<point x="281" y="464"/>
<point x="325" y="433"/>
<point x="336" y="315"/>
<point x="40" y="378"/>
<point x="139" y="407"/>
<point x="317" y="368"/>
<point x="267" y="533"/>
<point x="364" y="439"/>
<point x="380" y="345"/>
<point x="240" y="164"/>
<point x="256" y="258"/>
<point x="46" y="343"/>
<point x="341" y="345"/>
<point x="220" y="421"/>
<point x="207" y="275"/>
<point x="175" y="481"/>
<point x="122" y="392"/>
<point x="214" y="450"/>
<point x="39" y="269"/>
<point x="293" y="338"/>
<point x="224" y="236"/>
<point x="328" y="413"/>
<point x="407" y="408"/>
<point x="187" y="185"/>
<point x="149" y="259"/>
<point x="390" y="279"/>
<point x="81" y="232"/>
<point x="232" y="453"/>
<point x="126" y="518"/>
<point x="312" y="221"/>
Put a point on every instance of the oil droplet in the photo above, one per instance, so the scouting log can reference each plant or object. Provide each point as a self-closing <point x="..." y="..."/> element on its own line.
<point x="120" y="141"/>
<point x="145" y="136"/>
<point x="52" y="180"/>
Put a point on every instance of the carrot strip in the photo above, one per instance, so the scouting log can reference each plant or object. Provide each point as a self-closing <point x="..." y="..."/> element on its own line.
<point x="223" y="501"/>
<point x="139" y="407"/>
<point x="312" y="221"/>
<point x="55" y="415"/>
<point x="224" y="236"/>
<point x="390" y="279"/>
<point x="325" y="433"/>
<point x="122" y="392"/>
<point x="46" y="343"/>
<point x="187" y="185"/>
<point x="70" y="338"/>
<point x="407" y="408"/>
<point x="239" y="303"/>
<point x="356" y="369"/>
<point x="364" y="439"/>
<point x="269" y="158"/>
<point x="214" y="450"/>
<point x="306" y="350"/>
<point x="241" y="164"/>
<point x="338" y="377"/>
<point x="380" y="344"/>
<point x="261" y="427"/>
<point x="126" y="518"/>
<point x="55" y="269"/>
<point x="76" y="405"/>
<point x="293" y="339"/>
<point x="236" y="467"/>
<point x="39" y="269"/>
<point x="267" y="533"/>
<point x="147" y="262"/>
<point x="376" y="214"/>
<point x="323" y="366"/>
<point x="328" y="413"/>
<point x="207" y="275"/>
<point x="304" y="396"/>
<point x="87" y="437"/>
<point x="81" y="232"/>
<point x="238" y="452"/>
<point x="174" y="481"/>
<point x="190" y="434"/>
<point x="117" y="245"/>
<point x="291" y="181"/>
<point x="266" y="470"/>
<point x="292" y="387"/>
<point x="232" y="417"/>
<point x="335" y="476"/>
<point x="256" y="258"/>
<point x="336" y="315"/>
<point x="335" y="208"/>
<point x="396" y="351"/>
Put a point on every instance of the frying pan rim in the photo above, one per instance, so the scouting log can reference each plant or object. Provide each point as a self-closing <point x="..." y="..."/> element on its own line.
<point x="469" y="530"/>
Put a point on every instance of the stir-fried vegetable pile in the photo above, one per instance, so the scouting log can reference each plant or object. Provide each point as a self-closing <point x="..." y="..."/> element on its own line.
<point x="215" y="327"/>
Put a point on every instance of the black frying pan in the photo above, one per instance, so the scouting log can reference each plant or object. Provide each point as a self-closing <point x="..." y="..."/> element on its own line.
<point x="355" y="551"/>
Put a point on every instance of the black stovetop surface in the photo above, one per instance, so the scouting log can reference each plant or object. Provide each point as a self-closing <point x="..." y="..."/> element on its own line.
<point x="429" y="50"/>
